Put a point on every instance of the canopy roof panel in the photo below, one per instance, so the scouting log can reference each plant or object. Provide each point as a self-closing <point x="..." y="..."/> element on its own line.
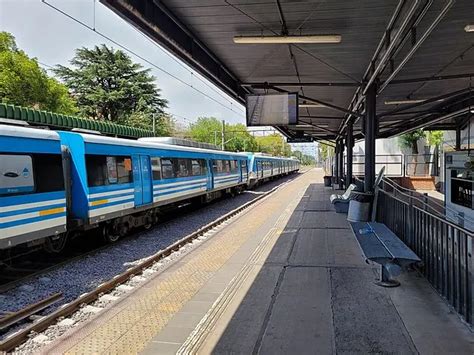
<point x="426" y="38"/>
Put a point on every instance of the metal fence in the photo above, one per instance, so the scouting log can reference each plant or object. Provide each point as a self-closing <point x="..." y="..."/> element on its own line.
<point x="445" y="248"/>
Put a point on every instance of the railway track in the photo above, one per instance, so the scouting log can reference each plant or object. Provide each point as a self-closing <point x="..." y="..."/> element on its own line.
<point x="16" y="339"/>
<point x="40" y="263"/>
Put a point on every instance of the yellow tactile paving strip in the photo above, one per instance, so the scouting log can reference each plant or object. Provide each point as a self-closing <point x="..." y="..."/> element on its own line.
<point x="130" y="328"/>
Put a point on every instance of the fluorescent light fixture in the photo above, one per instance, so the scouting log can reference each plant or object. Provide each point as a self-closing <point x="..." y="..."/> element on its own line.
<point x="316" y="125"/>
<point x="469" y="28"/>
<point x="472" y="110"/>
<point x="287" y="39"/>
<point x="408" y="101"/>
<point x="403" y="102"/>
<point x="310" y="105"/>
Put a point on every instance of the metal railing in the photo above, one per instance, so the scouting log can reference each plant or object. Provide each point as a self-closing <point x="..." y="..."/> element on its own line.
<point x="445" y="248"/>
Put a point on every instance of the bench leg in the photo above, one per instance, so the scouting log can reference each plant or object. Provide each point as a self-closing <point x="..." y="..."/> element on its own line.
<point x="385" y="279"/>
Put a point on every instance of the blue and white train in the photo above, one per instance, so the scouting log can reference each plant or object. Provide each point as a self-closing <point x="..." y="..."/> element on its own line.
<point x="57" y="184"/>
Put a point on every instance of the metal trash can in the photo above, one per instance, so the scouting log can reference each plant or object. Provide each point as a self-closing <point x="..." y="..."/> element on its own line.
<point x="327" y="180"/>
<point x="360" y="206"/>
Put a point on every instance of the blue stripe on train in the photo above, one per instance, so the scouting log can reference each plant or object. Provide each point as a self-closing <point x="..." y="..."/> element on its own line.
<point x="110" y="188"/>
<point x="236" y="179"/>
<point x="187" y="178"/>
<point x="92" y="199"/>
<point x="184" y="188"/>
<point x="32" y="220"/>
<point x="31" y="198"/>
<point x="132" y="199"/>
<point x="29" y="210"/>
<point x="171" y="186"/>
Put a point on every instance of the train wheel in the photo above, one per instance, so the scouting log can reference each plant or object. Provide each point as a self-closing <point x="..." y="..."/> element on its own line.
<point x="109" y="234"/>
<point x="149" y="219"/>
<point x="56" y="244"/>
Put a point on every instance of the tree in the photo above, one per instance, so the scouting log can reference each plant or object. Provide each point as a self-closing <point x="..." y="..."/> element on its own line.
<point x="23" y="82"/>
<point x="108" y="85"/>
<point x="410" y="140"/>
<point x="274" y="144"/>
<point x="207" y="130"/>
<point x="236" y="137"/>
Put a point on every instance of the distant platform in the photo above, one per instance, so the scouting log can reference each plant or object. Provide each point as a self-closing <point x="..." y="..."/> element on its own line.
<point x="287" y="276"/>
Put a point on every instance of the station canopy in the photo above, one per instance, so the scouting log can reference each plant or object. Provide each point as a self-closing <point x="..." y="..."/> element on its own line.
<point x="419" y="54"/>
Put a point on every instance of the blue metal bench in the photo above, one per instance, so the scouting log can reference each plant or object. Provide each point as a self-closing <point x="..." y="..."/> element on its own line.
<point x="341" y="202"/>
<point x="380" y="245"/>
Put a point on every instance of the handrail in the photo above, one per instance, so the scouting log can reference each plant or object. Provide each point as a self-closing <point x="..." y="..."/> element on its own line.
<point x="398" y="188"/>
<point x="439" y="218"/>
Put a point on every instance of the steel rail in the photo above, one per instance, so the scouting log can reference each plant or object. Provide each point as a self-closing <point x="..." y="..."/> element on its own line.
<point x="43" y="323"/>
<point x="15" y="317"/>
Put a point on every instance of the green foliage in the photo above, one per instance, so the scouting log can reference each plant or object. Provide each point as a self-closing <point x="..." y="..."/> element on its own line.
<point x="207" y="130"/>
<point x="326" y="150"/>
<point x="435" y="138"/>
<point x="236" y="137"/>
<point x="24" y="83"/>
<point x="273" y="144"/>
<point x="108" y="85"/>
<point x="410" y="140"/>
<point x="304" y="158"/>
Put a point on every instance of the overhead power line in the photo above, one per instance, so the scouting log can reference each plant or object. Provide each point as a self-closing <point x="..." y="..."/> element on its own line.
<point x="125" y="48"/>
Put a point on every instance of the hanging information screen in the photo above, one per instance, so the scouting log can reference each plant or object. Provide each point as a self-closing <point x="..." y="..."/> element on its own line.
<point x="272" y="109"/>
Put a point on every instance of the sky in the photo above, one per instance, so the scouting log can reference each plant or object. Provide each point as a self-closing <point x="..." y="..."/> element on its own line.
<point x="52" y="38"/>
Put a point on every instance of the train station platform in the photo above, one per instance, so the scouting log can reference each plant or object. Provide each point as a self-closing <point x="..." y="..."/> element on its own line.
<point x="287" y="276"/>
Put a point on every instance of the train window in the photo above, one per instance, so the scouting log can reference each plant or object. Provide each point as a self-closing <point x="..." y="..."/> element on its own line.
<point x="198" y="167"/>
<point x="167" y="169"/>
<point x="234" y="166"/>
<point x="16" y="174"/>
<point x="183" y="167"/>
<point x="111" y="163"/>
<point x="156" y="168"/>
<point x="48" y="170"/>
<point x="243" y="163"/>
<point x="124" y="170"/>
<point x="20" y="174"/>
<point x="217" y="166"/>
<point x="108" y="170"/>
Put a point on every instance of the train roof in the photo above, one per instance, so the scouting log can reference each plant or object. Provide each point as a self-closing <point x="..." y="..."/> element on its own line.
<point x="28" y="132"/>
<point x="89" y="138"/>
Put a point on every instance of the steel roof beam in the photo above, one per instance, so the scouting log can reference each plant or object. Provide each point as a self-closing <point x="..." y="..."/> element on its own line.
<point x="265" y="85"/>
<point x="431" y="100"/>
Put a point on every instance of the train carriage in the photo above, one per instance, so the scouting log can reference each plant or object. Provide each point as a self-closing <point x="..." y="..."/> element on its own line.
<point x="125" y="181"/>
<point x="263" y="167"/>
<point x="32" y="193"/>
<point x="57" y="184"/>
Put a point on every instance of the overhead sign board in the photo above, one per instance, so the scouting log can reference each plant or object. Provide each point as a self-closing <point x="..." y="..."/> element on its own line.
<point x="279" y="109"/>
<point x="300" y="140"/>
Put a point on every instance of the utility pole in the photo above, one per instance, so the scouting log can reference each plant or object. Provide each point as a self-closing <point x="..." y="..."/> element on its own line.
<point x="154" y="124"/>
<point x="223" y="135"/>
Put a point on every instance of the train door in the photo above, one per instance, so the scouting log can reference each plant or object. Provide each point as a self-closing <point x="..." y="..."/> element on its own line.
<point x="210" y="174"/>
<point x="143" y="180"/>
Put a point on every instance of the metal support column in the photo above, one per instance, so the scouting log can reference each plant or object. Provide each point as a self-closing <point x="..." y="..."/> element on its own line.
<point x="341" y="163"/>
<point x="458" y="138"/>
<point x="370" y="135"/>
<point x="349" y="145"/>
<point x="336" y="162"/>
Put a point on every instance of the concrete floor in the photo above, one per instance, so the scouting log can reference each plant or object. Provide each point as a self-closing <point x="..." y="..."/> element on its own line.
<point x="287" y="277"/>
